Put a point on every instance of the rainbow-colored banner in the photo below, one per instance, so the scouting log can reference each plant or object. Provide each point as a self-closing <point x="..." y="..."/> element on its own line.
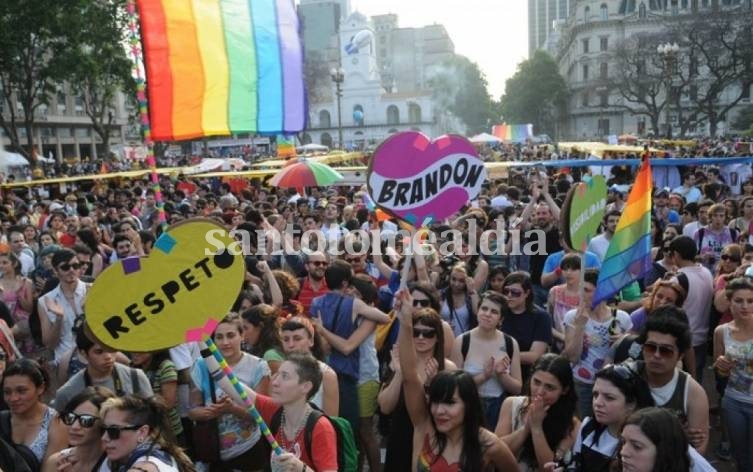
<point x="285" y="147"/>
<point x="218" y="67"/>
<point x="629" y="254"/>
<point x="513" y="133"/>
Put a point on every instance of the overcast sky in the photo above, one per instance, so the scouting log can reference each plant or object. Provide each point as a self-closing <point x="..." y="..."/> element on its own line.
<point x="492" y="33"/>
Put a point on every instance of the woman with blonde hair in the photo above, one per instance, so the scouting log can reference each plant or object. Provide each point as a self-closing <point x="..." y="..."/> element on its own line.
<point x="137" y="436"/>
<point x="667" y="291"/>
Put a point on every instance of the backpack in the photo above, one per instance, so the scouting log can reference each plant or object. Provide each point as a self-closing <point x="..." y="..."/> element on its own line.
<point x="347" y="451"/>
<point x="6" y="433"/>
<point x="702" y="232"/>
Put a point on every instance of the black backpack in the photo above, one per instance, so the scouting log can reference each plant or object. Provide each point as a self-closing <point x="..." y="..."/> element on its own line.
<point x="23" y="452"/>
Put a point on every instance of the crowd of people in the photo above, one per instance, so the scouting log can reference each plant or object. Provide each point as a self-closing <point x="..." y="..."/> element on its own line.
<point x="434" y="362"/>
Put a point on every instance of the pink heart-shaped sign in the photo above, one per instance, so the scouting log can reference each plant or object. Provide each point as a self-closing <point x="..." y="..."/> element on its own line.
<point x="420" y="181"/>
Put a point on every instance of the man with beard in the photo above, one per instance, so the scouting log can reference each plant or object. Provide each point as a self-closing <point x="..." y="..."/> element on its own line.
<point x="600" y="243"/>
<point x="540" y="217"/>
<point x="314" y="284"/>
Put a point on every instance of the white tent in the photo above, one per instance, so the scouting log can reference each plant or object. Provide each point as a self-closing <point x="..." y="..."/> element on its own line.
<point x="485" y="138"/>
<point x="311" y="148"/>
<point x="12" y="159"/>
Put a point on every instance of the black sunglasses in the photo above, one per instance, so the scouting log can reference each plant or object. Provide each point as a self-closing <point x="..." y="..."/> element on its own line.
<point x="113" y="432"/>
<point x="651" y="349"/>
<point x="512" y="292"/>
<point x="727" y="257"/>
<point x="426" y="333"/>
<point x="65" y="267"/>
<point x="86" y="421"/>
<point x="421" y="303"/>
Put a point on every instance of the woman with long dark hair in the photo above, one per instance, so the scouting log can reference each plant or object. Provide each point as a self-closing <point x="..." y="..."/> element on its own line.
<point x="163" y="377"/>
<point x="653" y="440"/>
<point x="261" y="333"/>
<point x="541" y="425"/>
<point x="81" y="417"/>
<point x="447" y="426"/>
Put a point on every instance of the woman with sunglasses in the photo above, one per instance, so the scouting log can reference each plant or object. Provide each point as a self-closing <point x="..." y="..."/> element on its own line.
<point x="541" y="425"/>
<point x="430" y="334"/>
<point x="618" y="391"/>
<point x="81" y="417"/>
<point x="666" y="291"/>
<point x="490" y="356"/>
<point x="733" y="354"/>
<point x="527" y="324"/>
<point x="30" y="420"/>
<point x="589" y="332"/>
<point x="447" y="417"/>
<point x="137" y="436"/>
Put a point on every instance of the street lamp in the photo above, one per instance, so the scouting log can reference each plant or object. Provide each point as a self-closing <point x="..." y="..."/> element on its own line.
<point x="668" y="51"/>
<point x="338" y="77"/>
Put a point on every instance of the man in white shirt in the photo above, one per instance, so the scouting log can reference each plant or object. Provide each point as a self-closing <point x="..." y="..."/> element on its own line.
<point x="59" y="308"/>
<point x="600" y="243"/>
<point x="702" y="221"/>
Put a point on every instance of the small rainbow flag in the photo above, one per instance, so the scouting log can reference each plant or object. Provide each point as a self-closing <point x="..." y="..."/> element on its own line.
<point x="285" y="147"/>
<point x="629" y="254"/>
<point x="218" y="67"/>
<point x="513" y="133"/>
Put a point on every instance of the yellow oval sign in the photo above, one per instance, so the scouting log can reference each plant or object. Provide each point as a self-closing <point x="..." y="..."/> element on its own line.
<point x="156" y="302"/>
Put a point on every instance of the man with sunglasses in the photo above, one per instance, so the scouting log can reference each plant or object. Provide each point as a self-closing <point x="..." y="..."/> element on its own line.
<point x="314" y="284"/>
<point x="58" y="308"/>
<point x="664" y="339"/>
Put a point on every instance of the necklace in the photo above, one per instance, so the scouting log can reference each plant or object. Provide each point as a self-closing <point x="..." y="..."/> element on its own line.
<point x="286" y="444"/>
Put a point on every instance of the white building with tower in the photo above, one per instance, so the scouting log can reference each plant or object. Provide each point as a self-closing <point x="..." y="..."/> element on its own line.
<point x="360" y="108"/>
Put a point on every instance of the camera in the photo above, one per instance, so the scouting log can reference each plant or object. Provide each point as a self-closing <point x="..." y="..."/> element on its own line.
<point x="448" y="261"/>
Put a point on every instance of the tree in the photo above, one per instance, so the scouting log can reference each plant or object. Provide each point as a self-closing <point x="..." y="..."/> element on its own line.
<point x="459" y="86"/>
<point x="535" y="94"/>
<point x="701" y="82"/>
<point x="96" y="64"/>
<point x="643" y="79"/>
<point x="33" y="36"/>
<point x="719" y="43"/>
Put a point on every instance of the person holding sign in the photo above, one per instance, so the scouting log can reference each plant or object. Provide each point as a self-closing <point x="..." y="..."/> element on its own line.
<point x="448" y="427"/>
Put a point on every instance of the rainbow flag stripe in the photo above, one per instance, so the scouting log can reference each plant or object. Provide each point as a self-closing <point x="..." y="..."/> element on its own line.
<point x="629" y="254"/>
<point x="513" y="133"/>
<point x="286" y="147"/>
<point x="218" y="67"/>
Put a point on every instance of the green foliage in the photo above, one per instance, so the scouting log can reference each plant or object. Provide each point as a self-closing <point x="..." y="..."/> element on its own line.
<point x="45" y="43"/>
<point x="460" y="87"/>
<point x="96" y="63"/>
<point x="535" y="94"/>
<point x="33" y="35"/>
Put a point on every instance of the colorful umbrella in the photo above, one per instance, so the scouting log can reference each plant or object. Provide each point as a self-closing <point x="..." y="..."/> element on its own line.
<point x="305" y="173"/>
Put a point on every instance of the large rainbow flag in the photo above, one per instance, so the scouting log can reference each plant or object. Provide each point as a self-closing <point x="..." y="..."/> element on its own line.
<point x="218" y="67"/>
<point x="629" y="254"/>
<point x="513" y="133"/>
